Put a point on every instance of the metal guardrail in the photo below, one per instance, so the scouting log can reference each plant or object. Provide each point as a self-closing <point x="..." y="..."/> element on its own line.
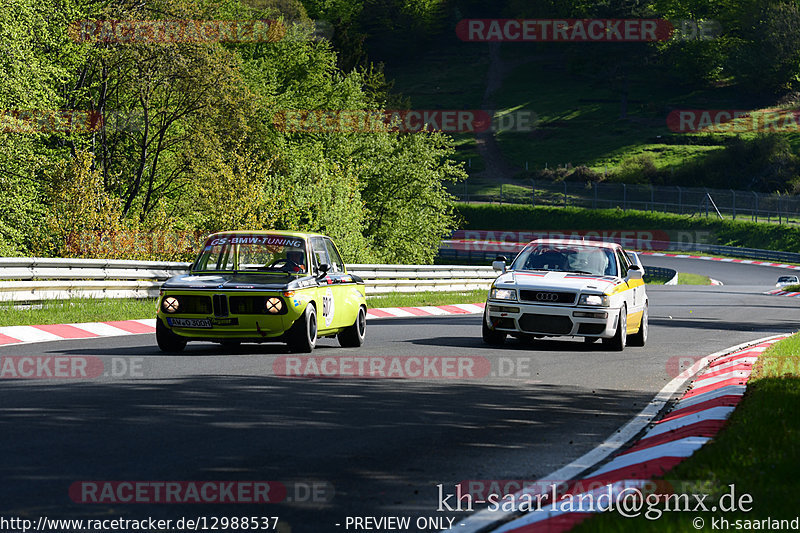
<point x="669" y="274"/>
<point x="37" y="279"/>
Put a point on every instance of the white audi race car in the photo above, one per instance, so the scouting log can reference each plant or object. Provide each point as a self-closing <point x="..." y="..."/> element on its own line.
<point x="559" y="287"/>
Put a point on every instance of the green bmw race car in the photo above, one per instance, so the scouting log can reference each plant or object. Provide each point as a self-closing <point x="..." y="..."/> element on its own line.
<point x="263" y="286"/>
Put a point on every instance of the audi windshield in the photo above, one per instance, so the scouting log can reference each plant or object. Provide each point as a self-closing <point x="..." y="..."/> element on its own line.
<point x="253" y="253"/>
<point x="591" y="260"/>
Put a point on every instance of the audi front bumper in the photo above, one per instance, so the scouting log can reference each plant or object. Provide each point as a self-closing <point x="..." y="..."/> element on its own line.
<point x="551" y="320"/>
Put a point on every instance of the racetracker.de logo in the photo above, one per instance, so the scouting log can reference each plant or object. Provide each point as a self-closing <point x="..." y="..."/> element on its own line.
<point x="177" y="492"/>
<point x="176" y="31"/>
<point x="733" y="121"/>
<point x="49" y="121"/>
<point x="51" y="367"/>
<point x="405" y="121"/>
<point x="397" y="367"/>
<point x="564" y="30"/>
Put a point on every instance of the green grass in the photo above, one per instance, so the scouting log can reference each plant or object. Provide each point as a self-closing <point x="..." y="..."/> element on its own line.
<point x="757" y="452"/>
<point x="791" y="288"/>
<point x="90" y="310"/>
<point x="684" y="278"/>
<point x="76" y="310"/>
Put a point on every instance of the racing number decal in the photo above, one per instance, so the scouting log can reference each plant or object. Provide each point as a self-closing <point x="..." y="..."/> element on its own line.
<point x="328" y="307"/>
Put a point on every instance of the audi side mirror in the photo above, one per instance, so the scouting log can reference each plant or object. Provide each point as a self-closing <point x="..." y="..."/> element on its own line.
<point x="499" y="263"/>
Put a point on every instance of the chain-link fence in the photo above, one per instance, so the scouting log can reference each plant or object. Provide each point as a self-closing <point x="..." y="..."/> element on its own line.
<point x="720" y="203"/>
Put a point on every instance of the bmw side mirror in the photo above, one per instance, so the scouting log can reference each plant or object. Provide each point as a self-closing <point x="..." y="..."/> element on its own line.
<point x="323" y="269"/>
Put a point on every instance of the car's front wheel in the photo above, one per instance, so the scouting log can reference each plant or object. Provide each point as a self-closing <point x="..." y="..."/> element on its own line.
<point x="490" y="336"/>
<point x="354" y="335"/>
<point x="640" y="337"/>
<point x="303" y="333"/>
<point x="167" y="340"/>
<point x="620" y="338"/>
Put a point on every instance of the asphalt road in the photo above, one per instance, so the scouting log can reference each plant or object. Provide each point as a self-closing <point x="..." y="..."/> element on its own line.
<point x="382" y="444"/>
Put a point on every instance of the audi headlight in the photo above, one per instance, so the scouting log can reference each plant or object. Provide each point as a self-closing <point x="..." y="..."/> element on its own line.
<point x="503" y="294"/>
<point x="170" y="304"/>
<point x="594" y="299"/>
<point x="274" y="305"/>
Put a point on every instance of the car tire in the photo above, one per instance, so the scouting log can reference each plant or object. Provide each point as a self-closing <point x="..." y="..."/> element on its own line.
<point x="303" y="333"/>
<point x="618" y="341"/>
<point x="640" y="337"/>
<point x="353" y="336"/>
<point x="490" y="336"/>
<point x="168" y="341"/>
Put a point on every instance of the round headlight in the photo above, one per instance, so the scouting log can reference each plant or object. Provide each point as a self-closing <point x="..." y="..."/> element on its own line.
<point x="274" y="305"/>
<point x="170" y="304"/>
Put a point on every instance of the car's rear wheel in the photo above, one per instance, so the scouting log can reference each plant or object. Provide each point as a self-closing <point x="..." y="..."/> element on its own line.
<point x="640" y="337"/>
<point x="167" y="340"/>
<point x="490" y="336"/>
<point x="303" y="333"/>
<point x="618" y="341"/>
<point x="354" y="335"/>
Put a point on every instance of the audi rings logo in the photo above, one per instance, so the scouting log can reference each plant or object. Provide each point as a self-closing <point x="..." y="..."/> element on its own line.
<point x="547" y="296"/>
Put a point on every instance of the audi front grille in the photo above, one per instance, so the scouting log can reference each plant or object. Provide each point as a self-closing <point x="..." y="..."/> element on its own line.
<point x="548" y="297"/>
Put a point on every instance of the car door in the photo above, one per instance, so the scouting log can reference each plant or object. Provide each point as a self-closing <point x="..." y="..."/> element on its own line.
<point x="634" y="294"/>
<point x="344" y="289"/>
<point x="331" y="285"/>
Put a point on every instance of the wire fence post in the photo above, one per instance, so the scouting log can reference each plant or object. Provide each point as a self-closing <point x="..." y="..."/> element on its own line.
<point x="755" y="211"/>
<point x="734" y="203"/>
<point x="624" y="197"/>
<point x="594" y="200"/>
<point x="533" y="193"/>
<point x="565" y="194"/>
<point x="680" y="202"/>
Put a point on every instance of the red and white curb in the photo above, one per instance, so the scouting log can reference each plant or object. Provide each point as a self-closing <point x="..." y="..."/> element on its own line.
<point x="10" y="335"/>
<point x="696" y="417"/>
<point x="407" y="312"/>
<point x="779" y="292"/>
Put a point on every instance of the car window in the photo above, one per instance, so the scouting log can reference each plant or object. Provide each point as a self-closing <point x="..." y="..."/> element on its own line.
<point x="320" y="251"/>
<point x="623" y="264"/>
<point x="335" y="259"/>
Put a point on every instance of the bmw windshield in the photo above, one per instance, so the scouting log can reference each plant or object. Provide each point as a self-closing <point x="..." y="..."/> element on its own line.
<point x="253" y="253"/>
<point x="567" y="258"/>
